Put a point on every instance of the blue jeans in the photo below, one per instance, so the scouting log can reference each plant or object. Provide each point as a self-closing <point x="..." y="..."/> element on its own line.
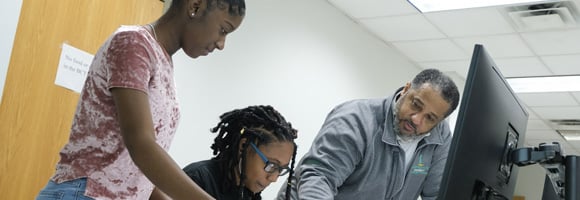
<point x="69" y="190"/>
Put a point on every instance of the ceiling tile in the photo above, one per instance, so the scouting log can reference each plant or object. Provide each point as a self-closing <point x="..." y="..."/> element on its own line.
<point x="555" y="138"/>
<point x="576" y="145"/>
<point x="541" y="135"/>
<point x="554" y="42"/>
<point x="522" y="66"/>
<point x="548" y="99"/>
<point x="531" y="113"/>
<point x="577" y="96"/>
<point x="560" y="112"/>
<point x="574" y="151"/>
<point x="374" y="8"/>
<point x="470" y="22"/>
<point x="539" y="126"/>
<point x="408" y="27"/>
<point x="564" y="64"/>
<point x="461" y="67"/>
<point x="498" y="46"/>
<point x="431" y="50"/>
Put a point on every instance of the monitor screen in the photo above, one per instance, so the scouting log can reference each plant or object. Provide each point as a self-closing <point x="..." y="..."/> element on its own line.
<point x="491" y="121"/>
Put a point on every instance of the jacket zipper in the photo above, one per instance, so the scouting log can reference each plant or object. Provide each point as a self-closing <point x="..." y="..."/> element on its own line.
<point x="396" y="155"/>
<point x="394" y="168"/>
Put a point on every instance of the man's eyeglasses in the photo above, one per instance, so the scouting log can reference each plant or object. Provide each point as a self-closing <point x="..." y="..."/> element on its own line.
<point x="270" y="166"/>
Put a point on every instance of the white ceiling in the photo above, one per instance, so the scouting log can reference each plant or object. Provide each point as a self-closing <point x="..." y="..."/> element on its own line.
<point x="445" y="40"/>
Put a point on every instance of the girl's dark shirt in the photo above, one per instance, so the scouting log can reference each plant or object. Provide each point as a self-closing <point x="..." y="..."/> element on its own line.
<point x="208" y="175"/>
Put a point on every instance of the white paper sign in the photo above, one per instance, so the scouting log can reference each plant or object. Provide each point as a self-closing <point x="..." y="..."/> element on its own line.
<point x="72" y="68"/>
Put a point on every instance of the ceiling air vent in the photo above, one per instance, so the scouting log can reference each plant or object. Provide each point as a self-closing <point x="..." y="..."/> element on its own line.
<point x="566" y="122"/>
<point x="561" y="14"/>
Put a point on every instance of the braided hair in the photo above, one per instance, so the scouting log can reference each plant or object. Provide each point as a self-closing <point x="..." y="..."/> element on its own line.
<point x="235" y="7"/>
<point x="248" y="123"/>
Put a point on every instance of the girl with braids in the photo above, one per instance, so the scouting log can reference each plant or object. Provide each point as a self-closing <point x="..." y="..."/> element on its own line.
<point x="128" y="113"/>
<point x="253" y="147"/>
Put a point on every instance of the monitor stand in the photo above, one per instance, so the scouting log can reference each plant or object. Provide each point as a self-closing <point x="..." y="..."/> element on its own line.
<point x="562" y="170"/>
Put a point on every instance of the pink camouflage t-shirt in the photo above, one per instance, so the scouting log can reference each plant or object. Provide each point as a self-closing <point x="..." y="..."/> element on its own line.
<point x="130" y="58"/>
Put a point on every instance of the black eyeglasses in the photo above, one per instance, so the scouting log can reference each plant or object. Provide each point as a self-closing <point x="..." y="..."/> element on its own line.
<point x="270" y="167"/>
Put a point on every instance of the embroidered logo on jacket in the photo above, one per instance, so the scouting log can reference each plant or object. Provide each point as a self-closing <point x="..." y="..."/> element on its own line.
<point x="420" y="167"/>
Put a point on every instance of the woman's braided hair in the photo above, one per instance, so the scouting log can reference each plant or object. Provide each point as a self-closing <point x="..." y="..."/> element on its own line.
<point x="235" y="7"/>
<point x="248" y="123"/>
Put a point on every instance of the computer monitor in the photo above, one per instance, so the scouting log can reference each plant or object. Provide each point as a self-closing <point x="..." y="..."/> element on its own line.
<point x="491" y="121"/>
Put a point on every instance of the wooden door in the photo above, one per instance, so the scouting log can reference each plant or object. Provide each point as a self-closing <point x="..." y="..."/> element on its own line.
<point x="36" y="114"/>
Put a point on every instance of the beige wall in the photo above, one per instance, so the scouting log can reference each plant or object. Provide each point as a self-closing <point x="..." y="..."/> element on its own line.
<point x="530" y="182"/>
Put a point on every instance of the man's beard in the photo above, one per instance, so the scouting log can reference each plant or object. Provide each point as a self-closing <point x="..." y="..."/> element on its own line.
<point x="396" y="124"/>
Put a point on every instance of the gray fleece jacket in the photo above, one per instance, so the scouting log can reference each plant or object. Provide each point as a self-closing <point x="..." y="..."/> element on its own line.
<point x="356" y="156"/>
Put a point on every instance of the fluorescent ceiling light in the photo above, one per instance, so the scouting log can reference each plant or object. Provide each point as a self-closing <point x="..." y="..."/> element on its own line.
<point x="440" y="5"/>
<point x="545" y="84"/>
<point x="570" y="135"/>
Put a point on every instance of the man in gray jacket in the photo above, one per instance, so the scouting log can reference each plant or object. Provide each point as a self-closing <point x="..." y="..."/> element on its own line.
<point x="393" y="148"/>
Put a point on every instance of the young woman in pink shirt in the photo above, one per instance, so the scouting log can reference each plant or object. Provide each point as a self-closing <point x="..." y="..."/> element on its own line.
<point x="127" y="113"/>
